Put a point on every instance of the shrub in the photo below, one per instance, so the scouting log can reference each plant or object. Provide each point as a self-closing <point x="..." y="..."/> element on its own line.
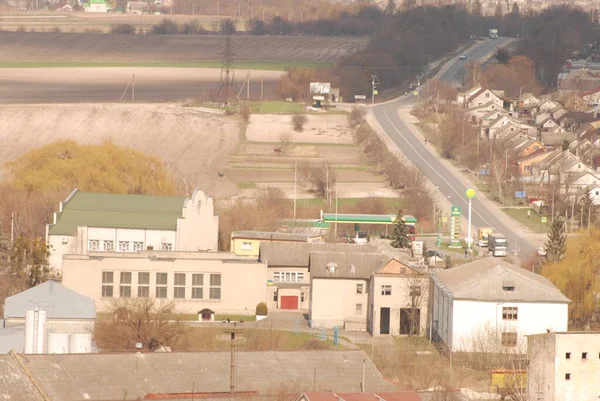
<point x="261" y="309"/>
<point x="298" y="121"/>
<point x="245" y="111"/>
<point x="357" y="117"/>
<point x="227" y="26"/>
<point x="127" y="29"/>
<point x="193" y="28"/>
<point x="166" y="27"/>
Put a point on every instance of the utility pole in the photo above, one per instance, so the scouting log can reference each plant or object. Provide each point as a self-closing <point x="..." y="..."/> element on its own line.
<point x="233" y="329"/>
<point x="374" y="83"/>
<point x="295" y="184"/>
<point x="12" y="227"/>
<point x="133" y="88"/>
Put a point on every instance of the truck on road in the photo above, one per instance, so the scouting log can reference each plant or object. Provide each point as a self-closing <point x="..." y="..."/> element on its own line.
<point x="493" y="34"/>
<point x="483" y="234"/>
<point x="497" y="244"/>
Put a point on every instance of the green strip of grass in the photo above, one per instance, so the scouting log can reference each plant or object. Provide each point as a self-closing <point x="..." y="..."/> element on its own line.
<point x="534" y="223"/>
<point x="246" y="185"/>
<point x="276" y="107"/>
<point x="241" y="65"/>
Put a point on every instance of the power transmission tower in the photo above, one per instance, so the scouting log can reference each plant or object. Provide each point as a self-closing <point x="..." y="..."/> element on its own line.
<point x="226" y="92"/>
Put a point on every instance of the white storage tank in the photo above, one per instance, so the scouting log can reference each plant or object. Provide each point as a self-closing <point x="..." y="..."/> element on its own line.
<point x="58" y="343"/>
<point x="81" y="343"/>
<point x="35" y="331"/>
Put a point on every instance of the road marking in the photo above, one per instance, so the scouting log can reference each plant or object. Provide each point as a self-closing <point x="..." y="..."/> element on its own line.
<point x="430" y="166"/>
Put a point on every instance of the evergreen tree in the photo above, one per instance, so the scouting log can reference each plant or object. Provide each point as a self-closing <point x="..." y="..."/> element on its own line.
<point x="29" y="260"/>
<point x="557" y="238"/>
<point x="4" y="248"/>
<point x="400" y="234"/>
<point x="585" y="201"/>
<point x="515" y="8"/>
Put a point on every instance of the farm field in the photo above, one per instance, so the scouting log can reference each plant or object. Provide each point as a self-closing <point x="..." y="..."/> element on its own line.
<point x="96" y="22"/>
<point x="93" y="85"/>
<point x="102" y="48"/>
<point x="192" y="143"/>
<point x="273" y="155"/>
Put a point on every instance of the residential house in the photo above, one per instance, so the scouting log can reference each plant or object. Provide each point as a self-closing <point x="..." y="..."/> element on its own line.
<point x="213" y="282"/>
<point x="528" y="100"/>
<point x="525" y="163"/>
<point x="172" y="374"/>
<point x="548" y="105"/>
<point x="96" y="6"/>
<point x="367" y="292"/>
<point x="462" y="97"/>
<point x="289" y="274"/>
<point x="576" y="182"/>
<point x="66" y="320"/>
<point x="484" y="96"/>
<point x="594" y="191"/>
<point x="592" y="97"/>
<point x="137" y="7"/>
<point x="493" y="128"/>
<point x="477" y="113"/>
<point x="563" y="366"/>
<point x="248" y="242"/>
<point x="339" y="288"/>
<point x="362" y="396"/>
<point x="93" y="222"/>
<point x="398" y="298"/>
<point x="493" y="298"/>
<point x="556" y="140"/>
<point x="528" y="147"/>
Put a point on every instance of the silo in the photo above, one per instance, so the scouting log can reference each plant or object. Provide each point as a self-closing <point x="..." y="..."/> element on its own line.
<point x="58" y="343"/>
<point x="81" y="343"/>
<point x="35" y="331"/>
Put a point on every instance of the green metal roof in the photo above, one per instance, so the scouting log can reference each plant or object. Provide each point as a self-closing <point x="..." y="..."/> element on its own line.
<point x="366" y="218"/>
<point x="119" y="211"/>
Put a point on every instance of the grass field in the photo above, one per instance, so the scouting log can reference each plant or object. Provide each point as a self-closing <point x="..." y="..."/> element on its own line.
<point x="242" y="65"/>
<point x="533" y="223"/>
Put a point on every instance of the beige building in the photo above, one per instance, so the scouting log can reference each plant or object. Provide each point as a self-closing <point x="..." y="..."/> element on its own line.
<point x="92" y="222"/>
<point x="366" y="291"/>
<point x="289" y="266"/>
<point x="220" y="282"/>
<point x="564" y="366"/>
<point x="248" y="242"/>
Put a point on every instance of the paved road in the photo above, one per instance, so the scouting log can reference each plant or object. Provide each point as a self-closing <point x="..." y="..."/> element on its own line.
<point x="456" y="71"/>
<point x="450" y="186"/>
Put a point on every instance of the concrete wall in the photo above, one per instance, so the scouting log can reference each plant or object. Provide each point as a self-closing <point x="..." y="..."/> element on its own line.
<point x="400" y="298"/>
<point x="243" y="281"/>
<point x="472" y="318"/>
<point x="60" y="245"/>
<point x="334" y="300"/>
<point x="441" y="311"/>
<point x="198" y="230"/>
<point x="548" y="366"/>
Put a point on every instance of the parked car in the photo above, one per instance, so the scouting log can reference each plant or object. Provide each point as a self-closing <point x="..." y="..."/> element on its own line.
<point x="463" y="56"/>
<point x="541" y="251"/>
<point x="434" y="256"/>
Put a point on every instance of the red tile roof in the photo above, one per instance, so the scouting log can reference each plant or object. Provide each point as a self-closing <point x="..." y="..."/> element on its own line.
<point x="385" y="396"/>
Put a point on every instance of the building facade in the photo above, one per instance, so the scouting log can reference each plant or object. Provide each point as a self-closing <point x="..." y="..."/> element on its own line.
<point x="220" y="282"/>
<point x="90" y="222"/>
<point x="248" y="242"/>
<point x="496" y="301"/>
<point x="564" y="366"/>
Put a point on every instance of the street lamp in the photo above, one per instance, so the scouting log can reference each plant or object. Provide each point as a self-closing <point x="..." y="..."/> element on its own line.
<point x="470" y="193"/>
<point x="374" y="82"/>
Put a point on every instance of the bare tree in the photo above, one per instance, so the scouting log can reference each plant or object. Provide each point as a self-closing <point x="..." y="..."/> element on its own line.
<point x="417" y="293"/>
<point x="323" y="178"/>
<point x="139" y="320"/>
<point x="285" y="137"/>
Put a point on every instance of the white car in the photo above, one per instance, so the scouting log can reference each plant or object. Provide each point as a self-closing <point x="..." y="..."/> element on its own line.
<point x="542" y="251"/>
<point x="463" y="56"/>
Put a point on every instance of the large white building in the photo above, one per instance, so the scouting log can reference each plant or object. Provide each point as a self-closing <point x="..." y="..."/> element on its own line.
<point x="92" y="222"/>
<point x="564" y="366"/>
<point x="495" y="303"/>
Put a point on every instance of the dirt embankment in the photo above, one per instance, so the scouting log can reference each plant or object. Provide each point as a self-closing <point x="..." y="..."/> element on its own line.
<point x="90" y="47"/>
<point x="195" y="144"/>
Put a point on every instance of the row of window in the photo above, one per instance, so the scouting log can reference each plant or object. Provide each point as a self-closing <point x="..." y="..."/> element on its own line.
<point x="288" y="277"/>
<point x="126" y="289"/>
<point x="122" y="246"/>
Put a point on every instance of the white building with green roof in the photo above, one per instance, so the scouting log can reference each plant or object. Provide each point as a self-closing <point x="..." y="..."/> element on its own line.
<point x="96" y="6"/>
<point x="93" y="222"/>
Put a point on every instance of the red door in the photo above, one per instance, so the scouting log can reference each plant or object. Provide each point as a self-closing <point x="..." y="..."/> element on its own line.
<point x="289" y="302"/>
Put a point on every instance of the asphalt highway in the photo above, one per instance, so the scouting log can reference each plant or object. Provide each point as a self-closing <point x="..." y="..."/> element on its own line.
<point x="449" y="185"/>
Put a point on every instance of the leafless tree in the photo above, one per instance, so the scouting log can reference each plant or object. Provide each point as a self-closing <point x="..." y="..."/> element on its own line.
<point x="417" y="294"/>
<point x="149" y="321"/>
<point x="323" y="178"/>
<point x="285" y="137"/>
